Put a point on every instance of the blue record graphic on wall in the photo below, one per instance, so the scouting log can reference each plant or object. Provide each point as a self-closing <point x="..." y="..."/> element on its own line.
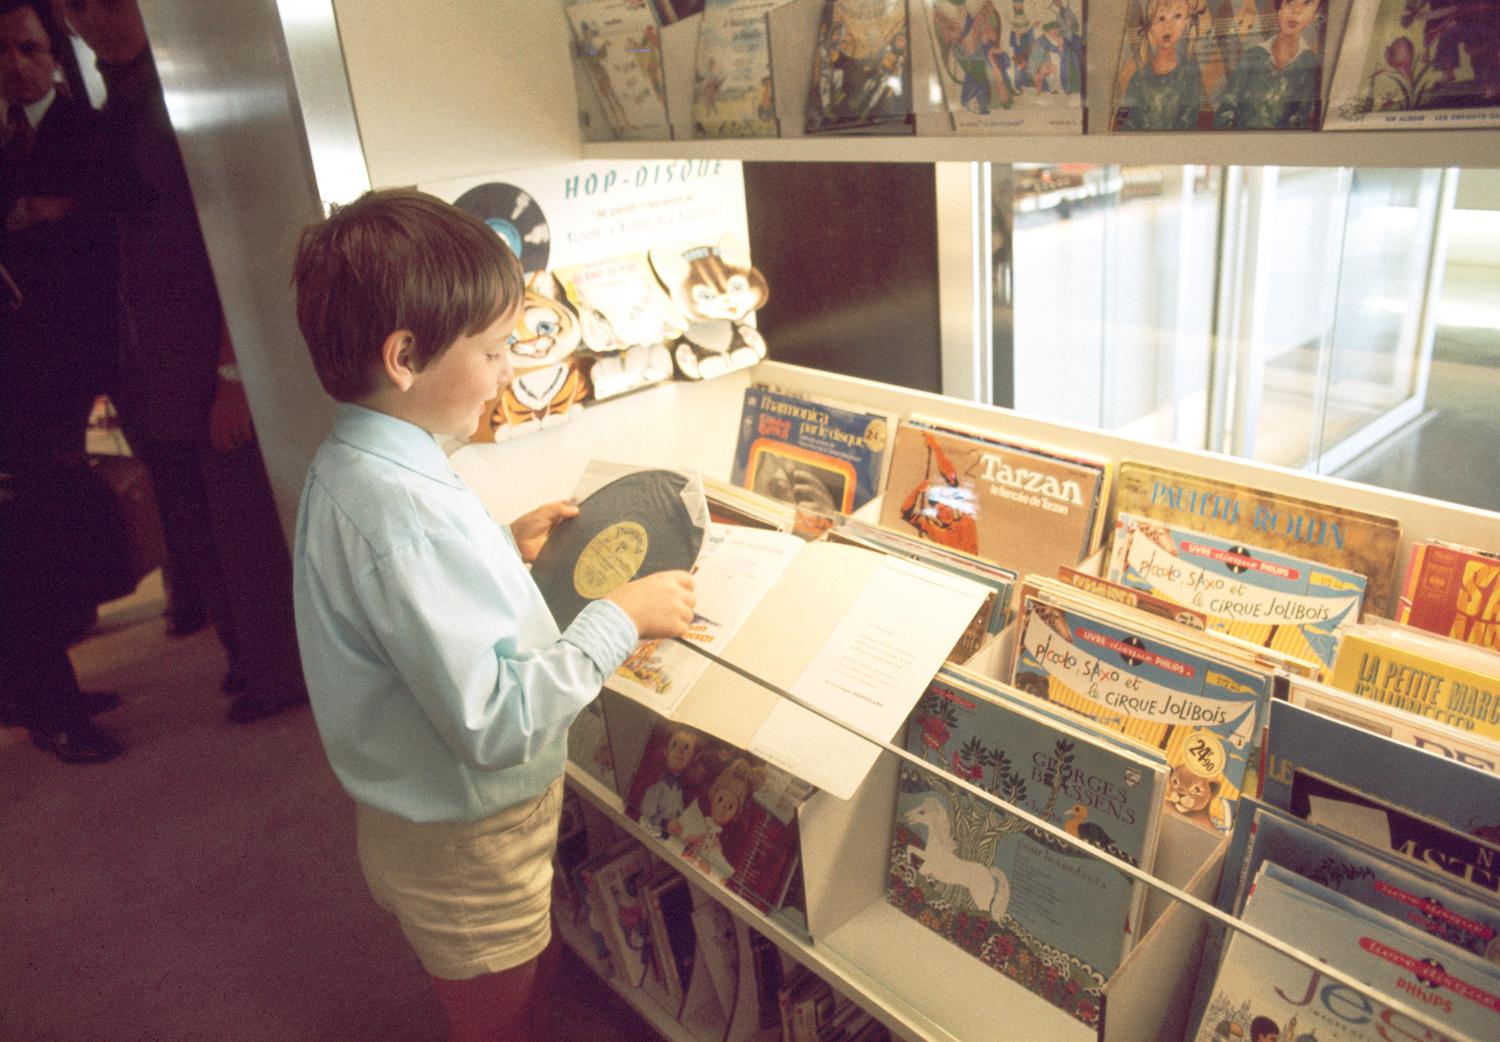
<point x="515" y="216"/>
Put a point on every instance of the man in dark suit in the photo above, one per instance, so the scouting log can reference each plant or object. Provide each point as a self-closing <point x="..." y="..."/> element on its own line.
<point x="57" y="351"/>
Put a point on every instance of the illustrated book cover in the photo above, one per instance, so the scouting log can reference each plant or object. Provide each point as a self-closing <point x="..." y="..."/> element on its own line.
<point x="1010" y="66"/>
<point x="1025" y="510"/>
<point x="1350" y="539"/>
<point x="614" y="887"/>
<point x="1442" y="679"/>
<point x="1466" y="859"/>
<point x="822" y="457"/>
<point x="732" y="89"/>
<point x="1453" y="591"/>
<point x="861" y="69"/>
<point x="1221" y="65"/>
<point x="1260" y="993"/>
<point x="1417" y="65"/>
<point x="1456" y="744"/>
<point x="1263" y="596"/>
<point x="1037" y="910"/>
<point x="728" y="813"/>
<point x="1452" y="792"/>
<point x="619" y="44"/>
<point x="855" y="633"/>
<point x="588" y="746"/>
<point x="674" y="942"/>
<point x="1375" y="878"/>
<point x="1132" y="673"/>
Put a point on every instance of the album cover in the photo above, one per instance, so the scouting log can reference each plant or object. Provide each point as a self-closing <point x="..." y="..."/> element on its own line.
<point x="1435" y="677"/>
<point x="1418" y="65"/>
<point x="619" y="45"/>
<point x="732" y="90"/>
<point x="1453" y="591"/>
<point x="1011" y="66"/>
<point x="861" y="68"/>
<point x="1221" y="65"/>
<point x="1333" y="535"/>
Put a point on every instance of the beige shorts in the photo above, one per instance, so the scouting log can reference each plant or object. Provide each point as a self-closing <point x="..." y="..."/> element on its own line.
<point x="471" y="897"/>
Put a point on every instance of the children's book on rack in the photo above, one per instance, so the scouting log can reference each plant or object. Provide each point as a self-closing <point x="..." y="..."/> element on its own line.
<point x="588" y="745"/>
<point x="674" y="942"/>
<point x="1353" y="540"/>
<point x="618" y="42"/>
<point x="1262" y="994"/>
<point x="853" y="632"/>
<point x="861" y="70"/>
<point x="1195" y="695"/>
<point x="1006" y="892"/>
<point x="1453" y="591"/>
<point x="1417" y="65"/>
<point x="1013" y="67"/>
<point x="1216" y="65"/>
<point x="1133" y="598"/>
<point x="824" y="457"/>
<point x="1264" y="596"/>
<point x="1015" y="504"/>
<point x="1436" y="677"/>
<point x="732" y="89"/>
<point x="729" y="814"/>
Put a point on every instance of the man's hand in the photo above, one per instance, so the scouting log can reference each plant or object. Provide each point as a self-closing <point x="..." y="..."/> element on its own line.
<point x="531" y="530"/>
<point x="229" y="424"/>
<point x="660" y="605"/>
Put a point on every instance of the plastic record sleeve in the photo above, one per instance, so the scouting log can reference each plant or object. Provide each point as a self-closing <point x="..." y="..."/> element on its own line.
<point x="634" y="526"/>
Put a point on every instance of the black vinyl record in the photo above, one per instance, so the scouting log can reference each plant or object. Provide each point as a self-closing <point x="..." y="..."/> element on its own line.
<point x="515" y="216"/>
<point x="634" y="526"/>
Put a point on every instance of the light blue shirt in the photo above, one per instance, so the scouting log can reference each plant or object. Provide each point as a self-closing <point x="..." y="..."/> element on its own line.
<point x="440" y="684"/>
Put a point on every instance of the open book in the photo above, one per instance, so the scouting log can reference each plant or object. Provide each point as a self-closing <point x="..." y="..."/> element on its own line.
<point x="856" y="633"/>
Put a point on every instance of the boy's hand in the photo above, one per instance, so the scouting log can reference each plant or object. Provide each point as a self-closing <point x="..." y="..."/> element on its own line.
<point x="531" y="530"/>
<point x="660" y="605"/>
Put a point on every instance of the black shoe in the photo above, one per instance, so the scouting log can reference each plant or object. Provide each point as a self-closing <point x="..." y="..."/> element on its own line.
<point x="80" y="741"/>
<point x="246" y="709"/>
<point x="185" y="624"/>
<point x="97" y="703"/>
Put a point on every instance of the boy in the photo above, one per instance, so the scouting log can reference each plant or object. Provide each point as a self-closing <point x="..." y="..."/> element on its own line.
<point x="441" y="687"/>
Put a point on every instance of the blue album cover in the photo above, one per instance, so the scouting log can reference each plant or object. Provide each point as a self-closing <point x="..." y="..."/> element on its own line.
<point x="820" y="457"/>
<point x="1262" y="994"/>
<point x="1204" y="714"/>
<point x="1424" y="782"/>
<point x="1267" y="597"/>
<point x="1040" y="911"/>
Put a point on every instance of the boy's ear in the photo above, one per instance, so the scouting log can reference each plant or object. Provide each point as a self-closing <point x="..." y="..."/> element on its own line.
<point x="398" y="358"/>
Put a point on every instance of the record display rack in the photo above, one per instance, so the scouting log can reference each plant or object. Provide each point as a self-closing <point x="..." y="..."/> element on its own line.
<point x="900" y="972"/>
<point x="490" y="87"/>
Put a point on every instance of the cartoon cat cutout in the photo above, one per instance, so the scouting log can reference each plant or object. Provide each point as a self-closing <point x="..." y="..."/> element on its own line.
<point x="714" y="289"/>
<point x="549" y="383"/>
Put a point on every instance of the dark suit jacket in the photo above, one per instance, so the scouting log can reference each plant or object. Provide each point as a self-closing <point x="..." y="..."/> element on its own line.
<point x="60" y="349"/>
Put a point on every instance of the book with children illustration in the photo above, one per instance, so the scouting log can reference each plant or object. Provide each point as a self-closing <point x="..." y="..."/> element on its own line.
<point x="861" y="69"/>
<point x="1012" y="66"/>
<point x="1284" y="602"/>
<point x="618" y="43"/>
<point x="823" y="457"/>
<point x="1005" y="892"/>
<point x="1333" y="535"/>
<point x="729" y="814"/>
<point x="1261" y="994"/>
<point x="1156" y="683"/>
<point x="732" y="93"/>
<point x="1417" y="64"/>
<point x="1221" y="65"/>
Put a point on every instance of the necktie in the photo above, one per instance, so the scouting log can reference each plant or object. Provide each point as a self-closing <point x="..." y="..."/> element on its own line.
<point x="18" y="134"/>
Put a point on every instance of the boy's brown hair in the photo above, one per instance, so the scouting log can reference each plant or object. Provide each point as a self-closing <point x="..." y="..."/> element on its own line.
<point x="397" y="259"/>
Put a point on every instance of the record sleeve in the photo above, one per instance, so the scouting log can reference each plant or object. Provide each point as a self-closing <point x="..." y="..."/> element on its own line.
<point x="631" y="523"/>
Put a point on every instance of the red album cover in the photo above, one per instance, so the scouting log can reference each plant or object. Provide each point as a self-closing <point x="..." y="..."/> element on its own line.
<point x="1454" y="591"/>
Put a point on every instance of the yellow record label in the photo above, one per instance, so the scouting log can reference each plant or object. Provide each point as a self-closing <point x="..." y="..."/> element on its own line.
<point x="611" y="558"/>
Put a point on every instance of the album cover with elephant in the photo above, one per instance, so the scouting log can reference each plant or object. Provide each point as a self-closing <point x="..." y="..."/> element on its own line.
<point x="1038" y="909"/>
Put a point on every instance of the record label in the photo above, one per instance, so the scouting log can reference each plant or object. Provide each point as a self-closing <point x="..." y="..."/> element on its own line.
<point x="513" y="214"/>
<point x="634" y="526"/>
<point x="612" y="557"/>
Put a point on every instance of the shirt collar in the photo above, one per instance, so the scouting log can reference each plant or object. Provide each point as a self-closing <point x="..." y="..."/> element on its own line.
<point x="404" y="444"/>
<point x="37" y="110"/>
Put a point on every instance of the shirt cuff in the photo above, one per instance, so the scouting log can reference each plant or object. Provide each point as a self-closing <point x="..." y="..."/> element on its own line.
<point x="604" y="633"/>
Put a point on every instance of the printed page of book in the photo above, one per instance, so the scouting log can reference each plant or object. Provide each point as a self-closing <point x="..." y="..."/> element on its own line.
<point x="1406" y="65"/>
<point x="856" y="633"/>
